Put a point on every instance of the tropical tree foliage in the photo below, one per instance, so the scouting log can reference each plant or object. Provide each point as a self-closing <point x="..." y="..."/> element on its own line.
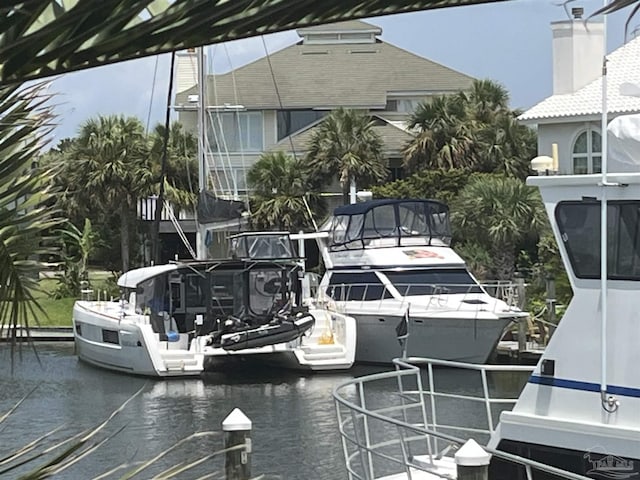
<point x="108" y="170"/>
<point x="181" y="184"/>
<point x="26" y="195"/>
<point x="78" y="246"/>
<point x="346" y="146"/>
<point x="140" y="167"/>
<point x="284" y="194"/>
<point x="498" y="213"/>
<point x="475" y="130"/>
<point x="442" y="185"/>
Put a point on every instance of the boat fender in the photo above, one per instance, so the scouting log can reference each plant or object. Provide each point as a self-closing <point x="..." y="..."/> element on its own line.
<point x="173" y="336"/>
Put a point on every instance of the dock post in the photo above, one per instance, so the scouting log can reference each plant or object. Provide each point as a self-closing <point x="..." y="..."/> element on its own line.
<point x="472" y="462"/>
<point x="522" y="322"/>
<point x="237" y="432"/>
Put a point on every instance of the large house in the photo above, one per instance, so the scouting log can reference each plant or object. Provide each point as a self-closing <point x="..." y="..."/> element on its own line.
<point x="275" y="102"/>
<point x="571" y="118"/>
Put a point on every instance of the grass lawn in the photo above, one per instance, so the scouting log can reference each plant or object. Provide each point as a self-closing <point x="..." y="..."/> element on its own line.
<point x="59" y="311"/>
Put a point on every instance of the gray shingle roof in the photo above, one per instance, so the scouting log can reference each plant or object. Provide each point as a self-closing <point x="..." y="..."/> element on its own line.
<point x="327" y="76"/>
<point x="394" y="137"/>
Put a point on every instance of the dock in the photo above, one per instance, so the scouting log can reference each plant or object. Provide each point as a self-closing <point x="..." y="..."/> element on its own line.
<point x="507" y="351"/>
<point x="39" y="334"/>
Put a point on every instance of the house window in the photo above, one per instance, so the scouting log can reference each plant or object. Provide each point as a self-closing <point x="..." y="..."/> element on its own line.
<point x="231" y="181"/>
<point x="236" y="132"/>
<point x="587" y="153"/>
<point x="291" y="121"/>
<point x="402" y="105"/>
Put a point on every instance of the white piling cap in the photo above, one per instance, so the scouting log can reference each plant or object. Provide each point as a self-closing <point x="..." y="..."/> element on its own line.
<point x="472" y="455"/>
<point x="236" y="421"/>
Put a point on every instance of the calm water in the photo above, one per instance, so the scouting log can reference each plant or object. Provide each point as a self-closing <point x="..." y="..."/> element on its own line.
<point x="294" y="422"/>
<point x="295" y="433"/>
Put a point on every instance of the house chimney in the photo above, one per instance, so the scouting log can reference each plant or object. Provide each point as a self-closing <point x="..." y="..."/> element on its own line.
<point x="186" y="70"/>
<point x="578" y="52"/>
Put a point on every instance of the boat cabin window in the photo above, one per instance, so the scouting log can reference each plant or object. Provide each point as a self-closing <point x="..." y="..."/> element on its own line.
<point x="579" y="224"/>
<point x="356" y="286"/>
<point x="152" y="295"/>
<point x="226" y="292"/>
<point x="433" y="282"/>
<point x="389" y="224"/>
<point x="380" y="222"/>
<point x="268" y="291"/>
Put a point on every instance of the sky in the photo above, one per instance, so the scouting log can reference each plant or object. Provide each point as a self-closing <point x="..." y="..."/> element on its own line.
<point x="509" y="42"/>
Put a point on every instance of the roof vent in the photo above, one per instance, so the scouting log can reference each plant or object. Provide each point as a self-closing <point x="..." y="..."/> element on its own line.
<point x="577" y="12"/>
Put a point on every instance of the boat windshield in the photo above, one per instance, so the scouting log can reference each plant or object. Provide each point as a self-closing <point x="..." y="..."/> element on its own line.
<point x="361" y="286"/>
<point x="579" y="224"/>
<point x="261" y="246"/>
<point x="433" y="282"/>
<point x="390" y="223"/>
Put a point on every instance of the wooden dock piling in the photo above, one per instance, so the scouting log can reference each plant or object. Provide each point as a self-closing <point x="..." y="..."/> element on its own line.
<point x="237" y="433"/>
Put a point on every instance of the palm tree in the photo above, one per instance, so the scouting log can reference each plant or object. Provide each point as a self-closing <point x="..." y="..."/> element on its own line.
<point x="446" y="135"/>
<point x="499" y="212"/>
<point x="507" y="146"/>
<point x="26" y="215"/>
<point x="486" y="100"/>
<point x="181" y="184"/>
<point x="284" y="194"/>
<point x="475" y="130"/>
<point x="109" y="168"/>
<point x="346" y="145"/>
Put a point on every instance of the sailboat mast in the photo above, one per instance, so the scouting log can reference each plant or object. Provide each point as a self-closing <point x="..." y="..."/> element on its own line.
<point x="202" y="155"/>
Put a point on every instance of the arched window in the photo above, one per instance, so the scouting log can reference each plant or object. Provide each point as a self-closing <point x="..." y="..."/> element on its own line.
<point x="587" y="153"/>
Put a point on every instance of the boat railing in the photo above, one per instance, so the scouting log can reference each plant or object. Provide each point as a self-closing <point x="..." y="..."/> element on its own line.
<point x="377" y="298"/>
<point x="393" y="425"/>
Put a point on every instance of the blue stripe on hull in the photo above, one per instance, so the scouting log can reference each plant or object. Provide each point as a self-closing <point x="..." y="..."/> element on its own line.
<point x="584" y="386"/>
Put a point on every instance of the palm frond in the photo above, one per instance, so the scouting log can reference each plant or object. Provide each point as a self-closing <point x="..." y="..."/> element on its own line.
<point x="26" y="218"/>
<point x="49" y="37"/>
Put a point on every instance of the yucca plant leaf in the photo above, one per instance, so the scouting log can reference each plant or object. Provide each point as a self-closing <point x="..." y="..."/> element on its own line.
<point x="29" y="447"/>
<point x="151" y="461"/>
<point x="26" y="219"/>
<point x="18" y="403"/>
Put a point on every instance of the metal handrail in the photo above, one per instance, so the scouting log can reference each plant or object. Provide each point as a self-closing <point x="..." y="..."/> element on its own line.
<point x="366" y="451"/>
<point x="438" y="293"/>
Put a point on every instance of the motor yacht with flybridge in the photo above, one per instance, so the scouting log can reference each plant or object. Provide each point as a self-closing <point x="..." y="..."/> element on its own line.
<point x="181" y="318"/>
<point x="390" y="265"/>
<point x="577" y="415"/>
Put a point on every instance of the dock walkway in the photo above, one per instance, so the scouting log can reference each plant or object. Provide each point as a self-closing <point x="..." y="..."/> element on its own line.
<point x="39" y="334"/>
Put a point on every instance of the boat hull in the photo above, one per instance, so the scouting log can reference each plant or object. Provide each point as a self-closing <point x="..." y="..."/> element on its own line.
<point x="456" y="339"/>
<point x="107" y="341"/>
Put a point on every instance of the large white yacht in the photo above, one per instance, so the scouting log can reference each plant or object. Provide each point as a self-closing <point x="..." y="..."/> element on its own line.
<point x="390" y="260"/>
<point x="182" y="318"/>
<point x="577" y="416"/>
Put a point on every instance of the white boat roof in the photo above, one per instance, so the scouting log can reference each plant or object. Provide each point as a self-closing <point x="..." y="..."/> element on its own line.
<point x="133" y="278"/>
<point x="419" y="256"/>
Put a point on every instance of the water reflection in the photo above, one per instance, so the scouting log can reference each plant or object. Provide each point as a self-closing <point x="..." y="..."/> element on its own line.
<point x="295" y="434"/>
